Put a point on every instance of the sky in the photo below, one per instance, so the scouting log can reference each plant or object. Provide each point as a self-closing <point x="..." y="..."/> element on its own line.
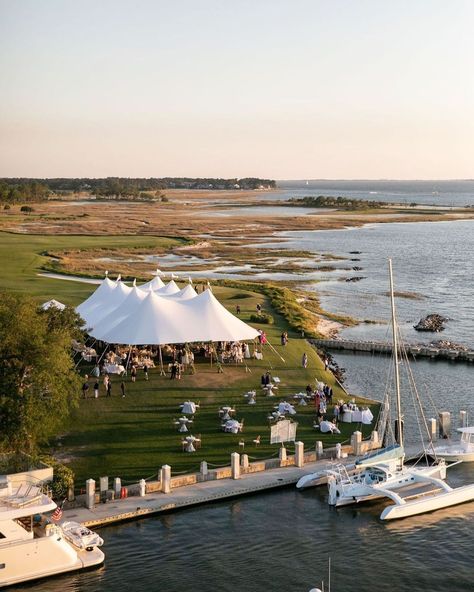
<point x="282" y="89"/>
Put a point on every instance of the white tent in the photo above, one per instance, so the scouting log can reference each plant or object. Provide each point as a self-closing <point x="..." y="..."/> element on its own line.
<point x="106" y="304"/>
<point x="170" y="288"/>
<point x="213" y="322"/>
<point x="97" y="297"/>
<point x="156" y="321"/>
<point x="53" y="304"/>
<point x="128" y="305"/>
<point x="184" y="294"/>
<point x="159" y="320"/>
<point x="155" y="284"/>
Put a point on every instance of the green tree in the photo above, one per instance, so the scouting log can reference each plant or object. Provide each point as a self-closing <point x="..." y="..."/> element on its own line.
<point x="38" y="383"/>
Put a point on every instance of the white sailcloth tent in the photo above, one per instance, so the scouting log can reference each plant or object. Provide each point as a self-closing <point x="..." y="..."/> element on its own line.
<point x="155" y="322"/>
<point x="53" y="304"/>
<point x="184" y="294"/>
<point x="170" y="288"/>
<point x="106" y="304"/>
<point x="211" y="321"/>
<point x="128" y="305"/>
<point x="155" y="284"/>
<point x="97" y="297"/>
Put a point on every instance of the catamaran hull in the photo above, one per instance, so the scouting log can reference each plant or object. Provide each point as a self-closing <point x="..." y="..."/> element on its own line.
<point x="460" y="495"/>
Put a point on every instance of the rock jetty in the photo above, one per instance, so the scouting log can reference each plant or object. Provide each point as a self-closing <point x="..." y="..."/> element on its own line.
<point x="433" y="323"/>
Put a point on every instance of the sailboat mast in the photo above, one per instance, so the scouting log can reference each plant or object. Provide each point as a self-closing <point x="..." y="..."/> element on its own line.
<point x="395" y="357"/>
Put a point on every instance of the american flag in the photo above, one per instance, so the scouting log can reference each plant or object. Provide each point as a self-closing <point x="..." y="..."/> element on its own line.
<point x="58" y="512"/>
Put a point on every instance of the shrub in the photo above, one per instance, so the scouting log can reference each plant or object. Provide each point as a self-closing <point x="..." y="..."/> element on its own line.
<point x="63" y="477"/>
<point x="26" y="209"/>
<point x="6" y="207"/>
<point x="264" y="318"/>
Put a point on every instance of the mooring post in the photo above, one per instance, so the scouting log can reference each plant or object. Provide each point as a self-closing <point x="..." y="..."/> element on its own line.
<point x="90" y="494"/>
<point x="463" y="418"/>
<point x="356" y="443"/>
<point x="444" y="424"/>
<point x="282" y="455"/>
<point x="117" y="487"/>
<point x="433" y="429"/>
<point x="319" y="449"/>
<point x="165" y="479"/>
<point x="235" y="465"/>
<point x="299" y="454"/>
<point x="244" y="462"/>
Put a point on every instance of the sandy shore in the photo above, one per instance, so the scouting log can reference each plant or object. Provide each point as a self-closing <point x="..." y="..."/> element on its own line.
<point x="328" y="328"/>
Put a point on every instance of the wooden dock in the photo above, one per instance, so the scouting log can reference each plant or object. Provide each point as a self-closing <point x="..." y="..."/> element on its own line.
<point x="417" y="351"/>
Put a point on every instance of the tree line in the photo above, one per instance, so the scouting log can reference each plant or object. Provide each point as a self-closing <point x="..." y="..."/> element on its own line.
<point x="342" y="203"/>
<point x="13" y="190"/>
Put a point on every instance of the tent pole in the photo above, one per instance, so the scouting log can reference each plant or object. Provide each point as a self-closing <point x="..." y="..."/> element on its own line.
<point x="162" y="371"/>
<point x="103" y="353"/>
<point x="128" y="359"/>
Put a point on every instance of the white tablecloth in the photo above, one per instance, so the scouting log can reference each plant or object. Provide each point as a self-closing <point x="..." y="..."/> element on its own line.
<point x="232" y="425"/>
<point x="367" y="417"/>
<point x="286" y="408"/>
<point x="328" y="426"/>
<point x="188" y="407"/>
<point x="113" y="369"/>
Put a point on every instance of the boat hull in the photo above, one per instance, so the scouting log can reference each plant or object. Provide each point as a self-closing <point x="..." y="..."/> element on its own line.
<point x="454" y="455"/>
<point x="44" y="557"/>
<point x="460" y="495"/>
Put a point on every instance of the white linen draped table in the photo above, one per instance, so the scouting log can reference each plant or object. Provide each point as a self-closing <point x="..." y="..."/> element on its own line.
<point x="114" y="369"/>
<point x="367" y="416"/>
<point x="189" y="407"/>
<point x="190" y="441"/>
<point x="233" y="426"/>
<point x="183" y="422"/>
<point x="285" y="407"/>
<point x="226" y="412"/>
<point x="327" y="426"/>
<point x="251" y="397"/>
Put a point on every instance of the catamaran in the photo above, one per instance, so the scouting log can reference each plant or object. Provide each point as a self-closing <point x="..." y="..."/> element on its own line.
<point x="384" y="474"/>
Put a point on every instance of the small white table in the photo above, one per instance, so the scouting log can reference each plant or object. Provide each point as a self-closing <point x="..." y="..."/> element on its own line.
<point x="189" y="408"/>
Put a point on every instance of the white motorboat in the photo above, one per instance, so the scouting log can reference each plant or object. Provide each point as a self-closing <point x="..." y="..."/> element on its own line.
<point x="413" y="489"/>
<point x="461" y="450"/>
<point x="31" y="545"/>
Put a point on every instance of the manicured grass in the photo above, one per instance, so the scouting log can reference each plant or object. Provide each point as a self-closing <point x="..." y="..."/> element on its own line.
<point x="21" y="257"/>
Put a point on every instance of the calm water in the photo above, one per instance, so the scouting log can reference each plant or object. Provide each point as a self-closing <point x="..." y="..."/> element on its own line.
<point x="434" y="260"/>
<point x="441" y="193"/>
<point x="281" y="541"/>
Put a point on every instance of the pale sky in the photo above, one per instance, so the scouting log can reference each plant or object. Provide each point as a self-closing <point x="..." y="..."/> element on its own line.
<point x="230" y="88"/>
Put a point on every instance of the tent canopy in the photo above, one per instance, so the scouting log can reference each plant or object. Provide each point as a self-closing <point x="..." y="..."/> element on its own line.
<point x="117" y="313"/>
<point x="53" y="304"/>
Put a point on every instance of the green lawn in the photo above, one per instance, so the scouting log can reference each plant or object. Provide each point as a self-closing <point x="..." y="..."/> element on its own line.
<point x="21" y="257"/>
<point x="132" y="437"/>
